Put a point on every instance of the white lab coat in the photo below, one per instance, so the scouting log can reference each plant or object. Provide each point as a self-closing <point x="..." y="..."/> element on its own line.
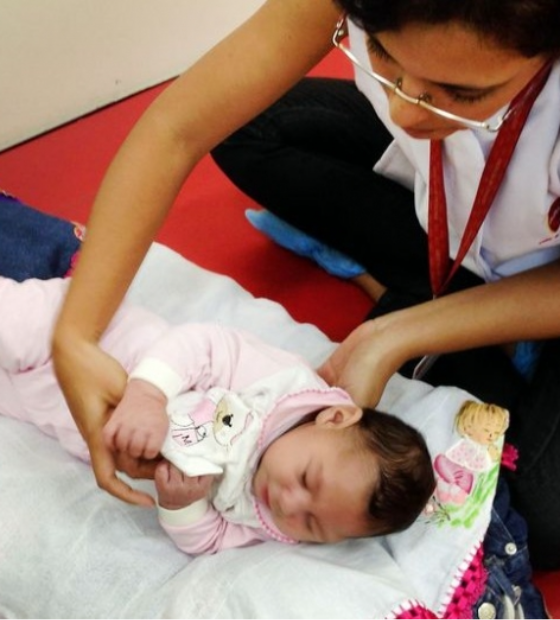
<point x="516" y="234"/>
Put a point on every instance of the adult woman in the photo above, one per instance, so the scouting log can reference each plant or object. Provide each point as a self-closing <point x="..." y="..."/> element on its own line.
<point x="484" y="68"/>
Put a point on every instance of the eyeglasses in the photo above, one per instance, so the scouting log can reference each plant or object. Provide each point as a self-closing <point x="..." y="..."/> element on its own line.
<point x="341" y="33"/>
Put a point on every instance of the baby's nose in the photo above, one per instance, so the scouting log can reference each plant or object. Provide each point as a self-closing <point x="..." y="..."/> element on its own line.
<point x="293" y="501"/>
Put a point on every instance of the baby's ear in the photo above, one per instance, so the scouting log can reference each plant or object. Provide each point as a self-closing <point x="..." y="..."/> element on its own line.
<point x="339" y="416"/>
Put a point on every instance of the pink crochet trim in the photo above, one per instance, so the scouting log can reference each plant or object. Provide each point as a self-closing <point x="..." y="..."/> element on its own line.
<point x="413" y="609"/>
<point x="466" y="591"/>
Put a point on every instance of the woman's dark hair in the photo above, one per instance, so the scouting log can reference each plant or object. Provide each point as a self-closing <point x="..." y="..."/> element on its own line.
<point x="530" y="27"/>
<point x="405" y="480"/>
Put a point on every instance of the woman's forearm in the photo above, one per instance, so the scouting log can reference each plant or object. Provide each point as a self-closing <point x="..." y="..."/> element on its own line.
<point x="128" y="211"/>
<point x="232" y="83"/>
<point x="521" y="307"/>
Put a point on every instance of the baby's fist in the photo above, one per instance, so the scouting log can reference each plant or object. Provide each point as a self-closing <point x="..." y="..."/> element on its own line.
<point x="176" y="490"/>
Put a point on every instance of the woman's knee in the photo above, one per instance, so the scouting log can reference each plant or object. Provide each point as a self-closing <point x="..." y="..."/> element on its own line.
<point x="319" y="115"/>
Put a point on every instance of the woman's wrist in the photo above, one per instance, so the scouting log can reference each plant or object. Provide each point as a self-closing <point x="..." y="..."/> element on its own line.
<point x="68" y="341"/>
<point x="394" y="341"/>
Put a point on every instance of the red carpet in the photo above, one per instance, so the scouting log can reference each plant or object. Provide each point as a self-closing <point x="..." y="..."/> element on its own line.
<point x="59" y="173"/>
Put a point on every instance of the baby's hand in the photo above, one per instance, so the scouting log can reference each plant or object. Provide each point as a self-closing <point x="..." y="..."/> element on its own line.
<point x="139" y="423"/>
<point x="176" y="490"/>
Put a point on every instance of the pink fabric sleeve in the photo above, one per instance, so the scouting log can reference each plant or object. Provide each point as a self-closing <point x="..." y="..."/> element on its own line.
<point x="211" y="533"/>
<point x="28" y="312"/>
<point x="201" y="356"/>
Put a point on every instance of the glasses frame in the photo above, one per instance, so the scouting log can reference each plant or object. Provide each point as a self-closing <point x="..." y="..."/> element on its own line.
<point x="341" y="32"/>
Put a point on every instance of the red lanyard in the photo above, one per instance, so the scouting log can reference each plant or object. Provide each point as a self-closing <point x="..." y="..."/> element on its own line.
<point x="441" y="267"/>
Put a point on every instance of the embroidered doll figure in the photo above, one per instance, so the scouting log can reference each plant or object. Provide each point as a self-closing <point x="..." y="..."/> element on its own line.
<point x="481" y="426"/>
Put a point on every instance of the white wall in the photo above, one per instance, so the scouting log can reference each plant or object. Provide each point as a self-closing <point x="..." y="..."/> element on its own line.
<point x="60" y="59"/>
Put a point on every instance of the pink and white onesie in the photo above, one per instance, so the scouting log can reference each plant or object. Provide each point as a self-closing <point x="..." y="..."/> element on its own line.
<point x="229" y="396"/>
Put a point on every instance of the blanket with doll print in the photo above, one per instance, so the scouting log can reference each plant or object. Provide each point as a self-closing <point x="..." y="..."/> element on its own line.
<point x="433" y="569"/>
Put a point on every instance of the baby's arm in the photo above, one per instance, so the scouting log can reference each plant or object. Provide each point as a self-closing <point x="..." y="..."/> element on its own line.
<point x="180" y="359"/>
<point x="186" y="356"/>
<point x="189" y="519"/>
<point x="139" y="423"/>
<point x="206" y="355"/>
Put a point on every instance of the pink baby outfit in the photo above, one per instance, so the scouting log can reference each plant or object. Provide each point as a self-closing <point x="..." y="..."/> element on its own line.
<point x="229" y="396"/>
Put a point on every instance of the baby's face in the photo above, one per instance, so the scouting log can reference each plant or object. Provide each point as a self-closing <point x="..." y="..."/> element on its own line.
<point x="317" y="482"/>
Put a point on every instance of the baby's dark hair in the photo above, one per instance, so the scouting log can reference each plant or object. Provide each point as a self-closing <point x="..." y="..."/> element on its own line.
<point x="405" y="480"/>
<point x="529" y="27"/>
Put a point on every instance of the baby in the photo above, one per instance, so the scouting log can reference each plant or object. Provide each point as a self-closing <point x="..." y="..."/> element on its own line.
<point x="256" y="445"/>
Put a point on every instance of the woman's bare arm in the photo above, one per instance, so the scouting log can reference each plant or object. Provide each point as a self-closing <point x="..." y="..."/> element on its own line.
<point x="521" y="307"/>
<point x="232" y="83"/>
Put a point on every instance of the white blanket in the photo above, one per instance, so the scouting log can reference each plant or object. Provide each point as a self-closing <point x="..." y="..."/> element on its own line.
<point x="68" y="550"/>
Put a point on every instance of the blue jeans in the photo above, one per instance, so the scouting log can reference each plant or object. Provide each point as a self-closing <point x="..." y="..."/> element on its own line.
<point x="509" y="591"/>
<point x="34" y="244"/>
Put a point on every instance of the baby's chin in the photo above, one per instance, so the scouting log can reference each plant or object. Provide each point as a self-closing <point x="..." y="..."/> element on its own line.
<point x="296" y="537"/>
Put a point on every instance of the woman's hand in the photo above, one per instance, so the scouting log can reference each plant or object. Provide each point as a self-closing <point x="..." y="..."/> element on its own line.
<point x="185" y="122"/>
<point x="362" y="364"/>
<point x="490" y="314"/>
<point x="93" y="383"/>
